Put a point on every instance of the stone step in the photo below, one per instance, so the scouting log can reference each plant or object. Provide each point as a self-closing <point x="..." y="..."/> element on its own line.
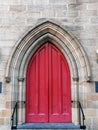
<point x="46" y="129"/>
<point x="49" y="126"/>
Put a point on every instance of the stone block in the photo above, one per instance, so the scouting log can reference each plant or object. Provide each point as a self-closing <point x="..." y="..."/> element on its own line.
<point x="6" y="51"/>
<point x="5" y="127"/>
<point x="75" y="28"/>
<point x="95" y="120"/>
<point x="9" y="2"/>
<point x="33" y="15"/>
<point x="4" y="8"/>
<point x="62" y="1"/>
<point x="48" y="14"/>
<point x="7" y="37"/>
<point x="86" y="1"/>
<point x="91" y="113"/>
<point x="8" y="104"/>
<point x="94" y="20"/>
<point x="92" y="28"/>
<point x="70" y="1"/>
<point x="95" y="127"/>
<point x="58" y="13"/>
<point x="7" y="120"/>
<point x="85" y="35"/>
<point x="6" y="113"/>
<point x="4" y="15"/>
<point x="77" y="7"/>
<point x="82" y="20"/>
<point x="34" y="8"/>
<point x="87" y="13"/>
<point x="94" y="97"/>
<point x="95" y="104"/>
<point x="14" y="21"/>
<point x="92" y="6"/>
<point x="26" y="2"/>
<point x="89" y="104"/>
<point x="10" y="43"/>
<point x="2" y="65"/>
<point x="17" y="8"/>
<point x="72" y="13"/>
<point x="2" y="104"/>
<point x="41" y="2"/>
<point x="1" y="21"/>
<point x="57" y="1"/>
<point x="1" y="121"/>
<point x="31" y="21"/>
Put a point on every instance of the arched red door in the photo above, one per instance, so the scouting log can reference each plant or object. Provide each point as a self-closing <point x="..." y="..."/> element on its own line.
<point x="48" y="89"/>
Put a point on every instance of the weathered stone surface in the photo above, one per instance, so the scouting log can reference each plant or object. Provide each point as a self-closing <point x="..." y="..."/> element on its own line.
<point x="4" y="8"/>
<point x="6" y="113"/>
<point x="92" y="6"/>
<point x="88" y="13"/>
<point x="17" y="8"/>
<point x="86" y="1"/>
<point x="77" y="6"/>
<point x="8" y="104"/>
<point x="72" y="13"/>
<point x="1" y="121"/>
<point x="8" y="2"/>
<point x="82" y="20"/>
<point x="91" y="113"/>
<point x="94" y="20"/>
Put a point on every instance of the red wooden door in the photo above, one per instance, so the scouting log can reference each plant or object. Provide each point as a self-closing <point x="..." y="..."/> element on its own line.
<point x="48" y="91"/>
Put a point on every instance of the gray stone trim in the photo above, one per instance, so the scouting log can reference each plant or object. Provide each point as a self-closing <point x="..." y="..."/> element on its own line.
<point x="48" y="27"/>
<point x="55" y="41"/>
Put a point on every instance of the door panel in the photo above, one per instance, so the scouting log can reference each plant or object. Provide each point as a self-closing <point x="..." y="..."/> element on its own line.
<point x="37" y="88"/>
<point x="59" y="97"/>
<point x="48" y="94"/>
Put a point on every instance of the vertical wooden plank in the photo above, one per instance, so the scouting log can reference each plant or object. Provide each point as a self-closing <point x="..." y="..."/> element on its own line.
<point x="59" y="94"/>
<point x="37" y="87"/>
<point x="66" y="89"/>
<point x="55" y="81"/>
<point x="43" y="80"/>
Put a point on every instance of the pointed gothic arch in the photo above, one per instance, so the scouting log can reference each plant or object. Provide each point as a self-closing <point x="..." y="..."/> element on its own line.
<point x="26" y="47"/>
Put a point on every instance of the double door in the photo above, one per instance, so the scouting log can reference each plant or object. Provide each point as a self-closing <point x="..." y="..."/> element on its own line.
<point x="48" y="91"/>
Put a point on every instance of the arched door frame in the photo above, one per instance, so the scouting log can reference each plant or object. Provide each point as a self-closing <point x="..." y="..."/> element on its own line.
<point x="26" y="47"/>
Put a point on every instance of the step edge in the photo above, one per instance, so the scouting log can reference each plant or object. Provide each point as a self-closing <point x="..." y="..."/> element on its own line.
<point x="48" y="126"/>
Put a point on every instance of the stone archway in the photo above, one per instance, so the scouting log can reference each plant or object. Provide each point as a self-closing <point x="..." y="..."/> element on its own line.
<point x="26" y="47"/>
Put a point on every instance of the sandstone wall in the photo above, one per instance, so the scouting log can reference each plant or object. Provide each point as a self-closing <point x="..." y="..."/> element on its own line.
<point x="80" y="17"/>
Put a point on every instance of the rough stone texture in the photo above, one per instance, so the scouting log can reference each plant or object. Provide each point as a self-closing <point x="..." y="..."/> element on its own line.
<point x="17" y="8"/>
<point x="79" y="17"/>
